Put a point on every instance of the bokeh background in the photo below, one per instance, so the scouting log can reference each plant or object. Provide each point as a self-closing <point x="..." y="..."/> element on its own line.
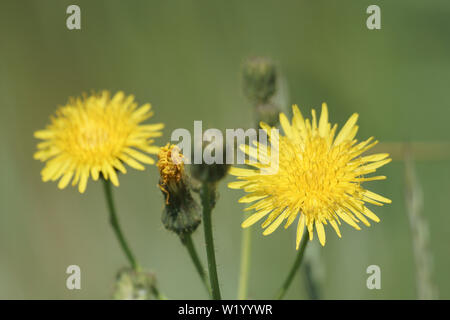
<point x="185" y="58"/>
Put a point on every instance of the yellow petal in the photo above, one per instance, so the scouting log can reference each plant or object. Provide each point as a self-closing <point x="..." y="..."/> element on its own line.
<point x="255" y="218"/>
<point x="95" y="173"/>
<point x="131" y="162"/>
<point x="139" y="156"/>
<point x="273" y="215"/>
<point x="323" y="122"/>
<point x="151" y="149"/>
<point x="275" y="224"/>
<point x="314" y="119"/>
<point x="347" y="219"/>
<point x="285" y="125"/>
<point x="373" y="166"/>
<point x="371" y="215"/>
<point x="83" y="180"/>
<point x="141" y="112"/>
<point x="112" y="175"/>
<point x="65" y="180"/>
<point x="335" y="227"/>
<point x="237" y="184"/>
<point x="252" y="197"/>
<point x="346" y="129"/>
<point x="320" y="232"/>
<point x="298" y="120"/>
<point x="375" y="157"/>
<point x="300" y="230"/>
<point x="310" y="230"/>
<point x="152" y="127"/>
<point x="44" y="134"/>
<point x="290" y="215"/>
<point x="119" y="166"/>
<point x="377" y="197"/>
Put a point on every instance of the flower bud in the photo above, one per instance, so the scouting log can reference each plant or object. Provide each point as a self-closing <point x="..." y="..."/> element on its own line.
<point x="134" y="285"/>
<point x="181" y="212"/>
<point x="209" y="172"/>
<point x="259" y="76"/>
<point x="213" y="172"/>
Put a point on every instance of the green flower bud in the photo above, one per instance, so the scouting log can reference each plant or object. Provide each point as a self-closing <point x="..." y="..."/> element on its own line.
<point x="211" y="173"/>
<point x="259" y="75"/>
<point x="134" y="285"/>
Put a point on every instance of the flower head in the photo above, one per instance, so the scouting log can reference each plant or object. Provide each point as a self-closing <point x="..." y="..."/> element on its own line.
<point x="181" y="213"/>
<point x="96" y="134"/>
<point x="319" y="178"/>
<point x="170" y="164"/>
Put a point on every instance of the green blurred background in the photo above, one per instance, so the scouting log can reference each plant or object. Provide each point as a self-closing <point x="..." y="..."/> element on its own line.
<point x="185" y="58"/>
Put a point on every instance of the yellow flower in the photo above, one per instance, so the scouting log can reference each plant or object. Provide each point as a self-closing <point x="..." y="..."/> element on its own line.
<point x="318" y="179"/>
<point x="96" y="134"/>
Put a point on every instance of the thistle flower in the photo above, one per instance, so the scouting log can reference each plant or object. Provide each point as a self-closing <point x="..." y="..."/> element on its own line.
<point x="319" y="178"/>
<point x="96" y="134"/>
<point x="181" y="214"/>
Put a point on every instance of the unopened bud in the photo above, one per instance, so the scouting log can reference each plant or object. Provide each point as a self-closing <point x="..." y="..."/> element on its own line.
<point x="134" y="285"/>
<point x="215" y="171"/>
<point x="259" y="76"/>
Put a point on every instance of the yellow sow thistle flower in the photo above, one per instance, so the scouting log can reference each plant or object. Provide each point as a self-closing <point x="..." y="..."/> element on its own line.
<point x="319" y="177"/>
<point x="96" y="134"/>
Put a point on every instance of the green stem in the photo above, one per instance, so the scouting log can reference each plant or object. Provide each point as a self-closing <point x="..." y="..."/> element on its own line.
<point x="295" y="266"/>
<point x="187" y="241"/>
<point x="115" y="224"/>
<point x="207" y="202"/>
<point x="311" y="285"/>
<point x="158" y="295"/>
<point x="246" y="244"/>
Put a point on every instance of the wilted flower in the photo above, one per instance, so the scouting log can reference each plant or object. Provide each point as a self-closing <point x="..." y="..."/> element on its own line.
<point x="181" y="212"/>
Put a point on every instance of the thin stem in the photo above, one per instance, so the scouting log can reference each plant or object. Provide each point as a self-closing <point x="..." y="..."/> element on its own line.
<point x="246" y="244"/>
<point x="295" y="266"/>
<point x="207" y="199"/>
<point x="115" y="224"/>
<point x="187" y="241"/>
<point x="311" y="285"/>
<point x="158" y="295"/>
